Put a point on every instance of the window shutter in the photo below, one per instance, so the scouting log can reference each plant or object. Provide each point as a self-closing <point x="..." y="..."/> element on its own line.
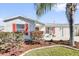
<point x="26" y="29"/>
<point x="14" y="27"/>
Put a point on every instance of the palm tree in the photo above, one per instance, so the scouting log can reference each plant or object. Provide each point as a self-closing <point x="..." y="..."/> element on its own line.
<point x="42" y="8"/>
<point x="70" y="10"/>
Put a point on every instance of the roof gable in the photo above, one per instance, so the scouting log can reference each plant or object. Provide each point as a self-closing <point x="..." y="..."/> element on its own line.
<point x="19" y="17"/>
<point x="23" y="18"/>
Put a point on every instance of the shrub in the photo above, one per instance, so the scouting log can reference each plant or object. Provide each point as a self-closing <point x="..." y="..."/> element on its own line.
<point x="9" y="40"/>
<point x="36" y="35"/>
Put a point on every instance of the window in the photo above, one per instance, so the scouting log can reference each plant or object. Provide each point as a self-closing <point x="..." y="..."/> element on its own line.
<point x="47" y="29"/>
<point x="20" y="27"/>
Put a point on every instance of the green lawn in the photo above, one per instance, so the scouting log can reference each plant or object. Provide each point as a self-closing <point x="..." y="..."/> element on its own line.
<point x="54" y="51"/>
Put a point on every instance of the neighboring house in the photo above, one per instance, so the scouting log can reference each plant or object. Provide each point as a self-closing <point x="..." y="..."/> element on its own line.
<point x="21" y="24"/>
<point x="61" y="31"/>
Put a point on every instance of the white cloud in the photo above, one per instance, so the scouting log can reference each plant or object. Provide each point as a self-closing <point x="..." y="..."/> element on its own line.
<point x="60" y="7"/>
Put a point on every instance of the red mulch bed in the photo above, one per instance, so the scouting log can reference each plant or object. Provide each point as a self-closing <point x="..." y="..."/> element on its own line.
<point x="29" y="45"/>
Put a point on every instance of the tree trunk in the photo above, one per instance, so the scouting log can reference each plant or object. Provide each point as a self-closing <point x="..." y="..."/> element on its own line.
<point x="71" y="31"/>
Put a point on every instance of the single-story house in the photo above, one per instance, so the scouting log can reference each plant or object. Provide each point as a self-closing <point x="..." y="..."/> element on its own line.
<point x="27" y="25"/>
<point x="61" y="31"/>
<point x="21" y="24"/>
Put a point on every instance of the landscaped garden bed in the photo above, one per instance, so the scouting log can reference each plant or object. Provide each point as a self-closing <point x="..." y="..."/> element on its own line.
<point x="13" y="44"/>
<point x="10" y="42"/>
<point x="25" y="46"/>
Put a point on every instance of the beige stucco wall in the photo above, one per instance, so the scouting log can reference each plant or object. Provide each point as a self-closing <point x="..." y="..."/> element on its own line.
<point x="66" y="33"/>
<point x="61" y="36"/>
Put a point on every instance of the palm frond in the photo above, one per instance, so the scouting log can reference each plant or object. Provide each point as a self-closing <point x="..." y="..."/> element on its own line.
<point x="42" y="8"/>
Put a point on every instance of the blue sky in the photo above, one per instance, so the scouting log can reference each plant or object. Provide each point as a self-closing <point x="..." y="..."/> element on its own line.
<point x="57" y="14"/>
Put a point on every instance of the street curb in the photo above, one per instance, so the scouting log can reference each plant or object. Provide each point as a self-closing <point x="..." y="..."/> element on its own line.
<point x="48" y="47"/>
